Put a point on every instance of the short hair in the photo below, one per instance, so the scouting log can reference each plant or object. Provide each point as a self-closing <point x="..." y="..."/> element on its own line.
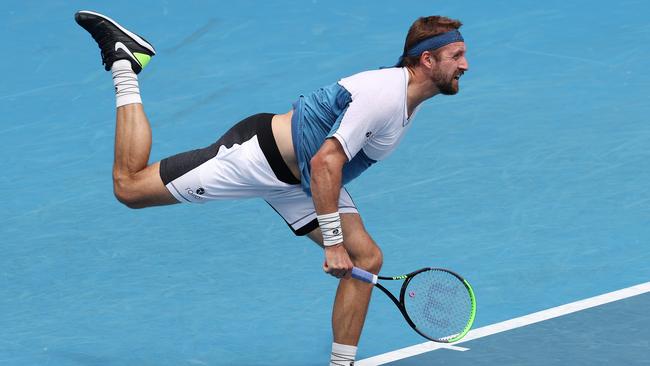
<point x="423" y="28"/>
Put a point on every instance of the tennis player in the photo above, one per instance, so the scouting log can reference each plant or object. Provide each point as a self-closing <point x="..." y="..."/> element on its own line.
<point x="299" y="161"/>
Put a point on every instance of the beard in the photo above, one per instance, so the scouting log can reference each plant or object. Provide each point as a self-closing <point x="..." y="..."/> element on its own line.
<point x="446" y="84"/>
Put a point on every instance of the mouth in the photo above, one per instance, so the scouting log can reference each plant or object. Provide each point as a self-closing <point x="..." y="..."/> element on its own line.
<point x="457" y="77"/>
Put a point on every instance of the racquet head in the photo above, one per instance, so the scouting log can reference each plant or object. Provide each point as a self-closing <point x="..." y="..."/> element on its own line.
<point x="439" y="304"/>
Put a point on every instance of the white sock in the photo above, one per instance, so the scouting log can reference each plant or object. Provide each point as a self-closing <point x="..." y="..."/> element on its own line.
<point x="342" y="355"/>
<point x="127" y="90"/>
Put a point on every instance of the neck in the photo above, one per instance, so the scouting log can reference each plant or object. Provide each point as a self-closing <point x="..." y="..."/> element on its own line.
<point x="420" y="88"/>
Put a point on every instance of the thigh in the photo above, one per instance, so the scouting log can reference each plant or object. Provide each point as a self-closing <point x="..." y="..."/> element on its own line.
<point x="236" y="166"/>
<point x="149" y="188"/>
<point x="358" y="243"/>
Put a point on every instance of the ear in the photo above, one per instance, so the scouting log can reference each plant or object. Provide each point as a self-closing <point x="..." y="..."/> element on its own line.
<point x="427" y="59"/>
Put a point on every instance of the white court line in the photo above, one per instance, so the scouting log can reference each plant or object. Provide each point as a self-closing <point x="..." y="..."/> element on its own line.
<point x="510" y="324"/>
<point x="456" y="348"/>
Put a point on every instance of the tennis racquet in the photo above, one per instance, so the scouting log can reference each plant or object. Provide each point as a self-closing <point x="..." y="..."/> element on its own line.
<point x="437" y="303"/>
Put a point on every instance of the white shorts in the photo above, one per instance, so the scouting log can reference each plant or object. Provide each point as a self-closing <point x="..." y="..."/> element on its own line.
<point x="245" y="163"/>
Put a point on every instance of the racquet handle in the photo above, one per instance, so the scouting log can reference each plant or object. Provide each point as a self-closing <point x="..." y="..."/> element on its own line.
<point x="365" y="276"/>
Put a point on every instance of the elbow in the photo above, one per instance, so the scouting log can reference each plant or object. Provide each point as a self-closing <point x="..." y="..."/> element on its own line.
<point x="327" y="165"/>
<point x="317" y="162"/>
<point x="323" y="164"/>
<point x="327" y="162"/>
<point x="325" y="170"/>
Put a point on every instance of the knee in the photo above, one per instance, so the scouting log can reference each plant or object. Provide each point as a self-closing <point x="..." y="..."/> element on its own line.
<point x="125" y="193"/>
<point x="371" y="258"/>
<point x="375" y="260"/>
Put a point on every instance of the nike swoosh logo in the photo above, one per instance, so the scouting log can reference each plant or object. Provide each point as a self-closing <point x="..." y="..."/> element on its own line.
<point x="121" y="46"/>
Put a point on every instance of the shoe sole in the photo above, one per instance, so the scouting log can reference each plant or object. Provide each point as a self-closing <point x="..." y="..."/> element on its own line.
<point x="133" y="36"/>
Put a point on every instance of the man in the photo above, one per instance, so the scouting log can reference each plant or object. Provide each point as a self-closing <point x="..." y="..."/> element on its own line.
<point x="298" y="161"/>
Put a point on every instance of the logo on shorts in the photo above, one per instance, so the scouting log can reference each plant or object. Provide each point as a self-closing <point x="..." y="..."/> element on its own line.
<point x="195" y="195"/>
<point x="368" y="134"/>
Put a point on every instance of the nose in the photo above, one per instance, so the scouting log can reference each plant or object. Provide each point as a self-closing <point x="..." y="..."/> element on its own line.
<point x="463" y="64"/>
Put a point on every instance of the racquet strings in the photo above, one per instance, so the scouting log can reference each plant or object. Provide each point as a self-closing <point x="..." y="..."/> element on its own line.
<point x="439" y="304"/>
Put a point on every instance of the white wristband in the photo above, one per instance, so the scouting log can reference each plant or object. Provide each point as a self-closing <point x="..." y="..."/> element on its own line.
<point x="330" y="226"/>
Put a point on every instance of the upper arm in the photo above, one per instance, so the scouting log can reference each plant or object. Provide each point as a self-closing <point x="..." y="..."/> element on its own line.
<point x="364" y="118"/>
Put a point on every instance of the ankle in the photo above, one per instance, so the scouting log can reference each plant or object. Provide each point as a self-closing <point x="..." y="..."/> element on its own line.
<point x="342" y="355"/>
<point x="127" y="89"/>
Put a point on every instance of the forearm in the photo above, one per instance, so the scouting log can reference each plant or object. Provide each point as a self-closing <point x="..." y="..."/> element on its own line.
<point x="326" y="177"/>
<point x="325" y="186"/>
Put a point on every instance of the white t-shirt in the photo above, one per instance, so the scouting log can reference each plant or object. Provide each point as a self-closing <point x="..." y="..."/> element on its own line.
<point x="366" y="113"/>
<point x="377" y="117"/>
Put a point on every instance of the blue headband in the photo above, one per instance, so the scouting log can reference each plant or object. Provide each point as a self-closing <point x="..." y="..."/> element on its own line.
<point x="432" y="43"/>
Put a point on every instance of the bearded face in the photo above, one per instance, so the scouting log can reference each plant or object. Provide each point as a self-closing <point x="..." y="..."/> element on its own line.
<point x="450" y="65"/>
<point x="445" y="82"/>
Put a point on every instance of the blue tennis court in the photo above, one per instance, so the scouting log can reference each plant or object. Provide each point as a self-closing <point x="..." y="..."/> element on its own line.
<point x="532" y="182"/>
<point x="556" y="342"/>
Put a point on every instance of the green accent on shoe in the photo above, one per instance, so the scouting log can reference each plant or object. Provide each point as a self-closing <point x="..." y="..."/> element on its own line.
<point x="143" y="59"/>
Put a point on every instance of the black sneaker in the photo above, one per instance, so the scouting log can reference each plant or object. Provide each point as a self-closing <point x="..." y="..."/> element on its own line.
<point x="115" y="42"/>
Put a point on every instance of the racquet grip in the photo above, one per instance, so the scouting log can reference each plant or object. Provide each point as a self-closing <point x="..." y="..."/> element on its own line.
<point x="365" y="276"/>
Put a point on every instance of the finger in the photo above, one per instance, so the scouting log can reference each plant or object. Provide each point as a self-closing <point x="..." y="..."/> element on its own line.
<point x="349" y="265"/>
<point x="333" y="273"/>
<point x="347" y="275"/>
